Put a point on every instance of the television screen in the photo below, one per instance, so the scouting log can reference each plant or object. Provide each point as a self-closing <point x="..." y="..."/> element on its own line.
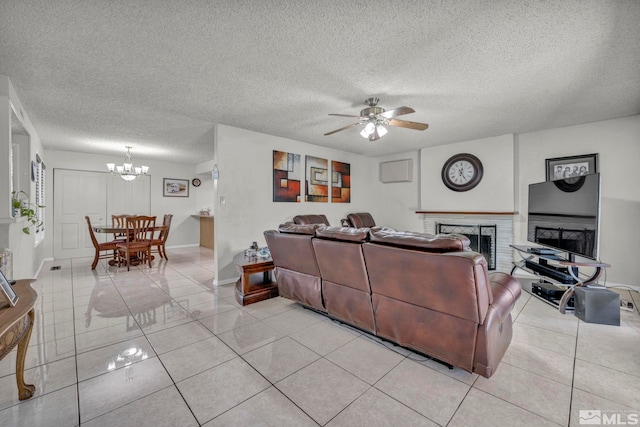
<point x="565" y="215"/>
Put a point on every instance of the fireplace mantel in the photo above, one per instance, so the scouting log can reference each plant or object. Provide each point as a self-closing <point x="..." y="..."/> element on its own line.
<point x="465" y="213"/>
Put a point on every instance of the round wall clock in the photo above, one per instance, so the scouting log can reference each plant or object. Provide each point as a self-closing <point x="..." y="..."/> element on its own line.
<point x="196" y="182"/>
<point x="462" y="172"/>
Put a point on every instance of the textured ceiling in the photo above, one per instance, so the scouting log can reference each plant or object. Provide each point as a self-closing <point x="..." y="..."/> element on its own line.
<point x="95" y="76"/>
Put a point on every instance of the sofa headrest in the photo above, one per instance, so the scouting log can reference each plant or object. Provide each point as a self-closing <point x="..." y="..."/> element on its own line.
<point x="361" y="219"/>
<point x="310" y="219"/>
<point x="292" y="228"/>
<point x="350" y="234"/>
<point x="426" y="242"/>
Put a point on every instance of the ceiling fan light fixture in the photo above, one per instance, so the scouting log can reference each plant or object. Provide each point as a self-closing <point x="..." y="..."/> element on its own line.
<point x="376" y="119"/>
<point x="369" y="128"/>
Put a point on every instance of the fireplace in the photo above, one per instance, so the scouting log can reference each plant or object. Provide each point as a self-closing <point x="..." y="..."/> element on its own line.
<point x="482" y="237"/>
<point x="504" y="232"/>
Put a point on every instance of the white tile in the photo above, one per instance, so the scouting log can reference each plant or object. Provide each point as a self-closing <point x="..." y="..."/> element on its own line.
<point x="545" y="397"/>
<point x="219" y="389"/>
<point x="110" y="391"/>
<point x="189" y="360"/>
<point x="322" y="389"/>
<point x="480" y="409"/>
<point x="227" y="321"/>
<point x="114" y="356"/>
<point x="281" y="358"/>
<point x="375" y="408"/>
<point x="432" y="394"/>
<point x="323" y="337"/>
<point x="365" y="359"/>
<point x="268" y="408"/>
<point x="246" y="338"/>
<point x="46" y="378"/>
<point x="164" y="408"/>
<point x="178" y="336"/>
<point x="611" y="384"/>
<point x="58" y="408"/>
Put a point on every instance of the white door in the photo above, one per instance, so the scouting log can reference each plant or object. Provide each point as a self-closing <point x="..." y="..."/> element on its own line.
<point x="128" y="197"/>
<point x="77" y="194"/>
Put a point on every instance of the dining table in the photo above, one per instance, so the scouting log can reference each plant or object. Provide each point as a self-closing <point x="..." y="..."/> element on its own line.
<point x="116" y="230"/>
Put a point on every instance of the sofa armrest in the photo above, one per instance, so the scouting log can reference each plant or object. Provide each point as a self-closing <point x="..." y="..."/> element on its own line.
<point x="506" y="290"/>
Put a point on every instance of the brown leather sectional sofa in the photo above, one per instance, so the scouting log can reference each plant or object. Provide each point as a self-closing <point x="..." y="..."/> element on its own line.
<point x="428" y="293"/>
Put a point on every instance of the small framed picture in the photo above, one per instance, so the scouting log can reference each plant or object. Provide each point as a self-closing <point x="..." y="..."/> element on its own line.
<point x="8" y="290"/>
<point x="172" y="187"/>
<point x="571" y="167"/>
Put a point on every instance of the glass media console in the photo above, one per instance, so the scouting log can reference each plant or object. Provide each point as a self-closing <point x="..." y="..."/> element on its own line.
<point x="558" y="274"/>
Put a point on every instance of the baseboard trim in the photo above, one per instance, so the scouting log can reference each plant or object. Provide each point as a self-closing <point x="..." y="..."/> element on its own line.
<point x="42" y="265"/>
<point x="223" y="282"/>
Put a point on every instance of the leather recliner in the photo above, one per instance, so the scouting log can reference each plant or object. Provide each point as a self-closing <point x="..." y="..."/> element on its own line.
<point x="428" y="293"/>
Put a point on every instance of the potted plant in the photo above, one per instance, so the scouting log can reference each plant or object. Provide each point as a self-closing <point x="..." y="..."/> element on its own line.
<point x="22" y="207"/>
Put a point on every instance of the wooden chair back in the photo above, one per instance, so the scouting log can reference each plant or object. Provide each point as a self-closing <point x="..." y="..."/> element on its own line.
<point x="140" y="228"/>
<point x="119" y="221"/>
<point x="96" y="245"/>
<point x="166" y="221"/>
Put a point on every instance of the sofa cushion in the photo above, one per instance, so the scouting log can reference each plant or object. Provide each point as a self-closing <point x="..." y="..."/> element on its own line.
<point x="292" y="228"/>
<point x="311" y="219"/>
<point x="421" y="241"/>
<point x="349" y="234"/>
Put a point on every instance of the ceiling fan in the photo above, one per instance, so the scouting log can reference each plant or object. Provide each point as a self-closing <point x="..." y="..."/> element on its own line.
<point x="375" y="118"/>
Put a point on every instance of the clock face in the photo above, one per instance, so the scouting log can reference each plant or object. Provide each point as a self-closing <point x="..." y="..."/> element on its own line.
<point x="196" y="182"/>
<point x="462" y="172"/>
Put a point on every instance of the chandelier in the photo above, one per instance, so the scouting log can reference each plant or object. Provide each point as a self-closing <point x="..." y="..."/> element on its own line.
<point x="127" y="171"/>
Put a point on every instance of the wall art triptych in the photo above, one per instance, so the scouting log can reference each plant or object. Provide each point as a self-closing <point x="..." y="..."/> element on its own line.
<point x="287" y="176"/>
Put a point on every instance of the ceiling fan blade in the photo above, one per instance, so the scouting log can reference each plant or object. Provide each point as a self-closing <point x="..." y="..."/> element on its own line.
<point x="397" y="112"/>
<point x="348" y="115"/>
<point x="408" y="125"/>
<point x="342" y="128"/>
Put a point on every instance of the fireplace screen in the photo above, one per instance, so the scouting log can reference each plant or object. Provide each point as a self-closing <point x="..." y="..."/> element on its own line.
<point x="482" y="237"/>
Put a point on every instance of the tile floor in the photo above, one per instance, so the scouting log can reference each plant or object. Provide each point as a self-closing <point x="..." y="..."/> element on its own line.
<point x="162" y="347"/>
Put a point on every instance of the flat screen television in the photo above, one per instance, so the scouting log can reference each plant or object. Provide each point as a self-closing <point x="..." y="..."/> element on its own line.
<point x="565" y="215"/>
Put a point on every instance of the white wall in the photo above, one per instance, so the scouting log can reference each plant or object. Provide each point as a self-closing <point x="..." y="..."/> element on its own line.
<point x="27" y="257"/>
<point x="396" y="202"/>
<point x="184" y="228"/>
<point x="245" y="161"/>
<point x="618" y="144"/>
<point x="495" y="192"/>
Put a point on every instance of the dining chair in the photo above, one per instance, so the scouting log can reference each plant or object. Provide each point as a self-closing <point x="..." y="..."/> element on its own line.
<point x="119" y="221"/>
<point x="159" y="242"/>
<point x="139" y="238"/>
<point x="101" y="247"/>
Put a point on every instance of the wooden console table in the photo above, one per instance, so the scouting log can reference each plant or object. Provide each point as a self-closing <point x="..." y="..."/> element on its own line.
<point x="249" y="288"/>
<point x="16" y="324"/>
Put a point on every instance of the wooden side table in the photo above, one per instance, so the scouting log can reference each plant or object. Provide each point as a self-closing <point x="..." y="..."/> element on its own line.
<point x="250" y="287"/>
<point x="16" y="324"/>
